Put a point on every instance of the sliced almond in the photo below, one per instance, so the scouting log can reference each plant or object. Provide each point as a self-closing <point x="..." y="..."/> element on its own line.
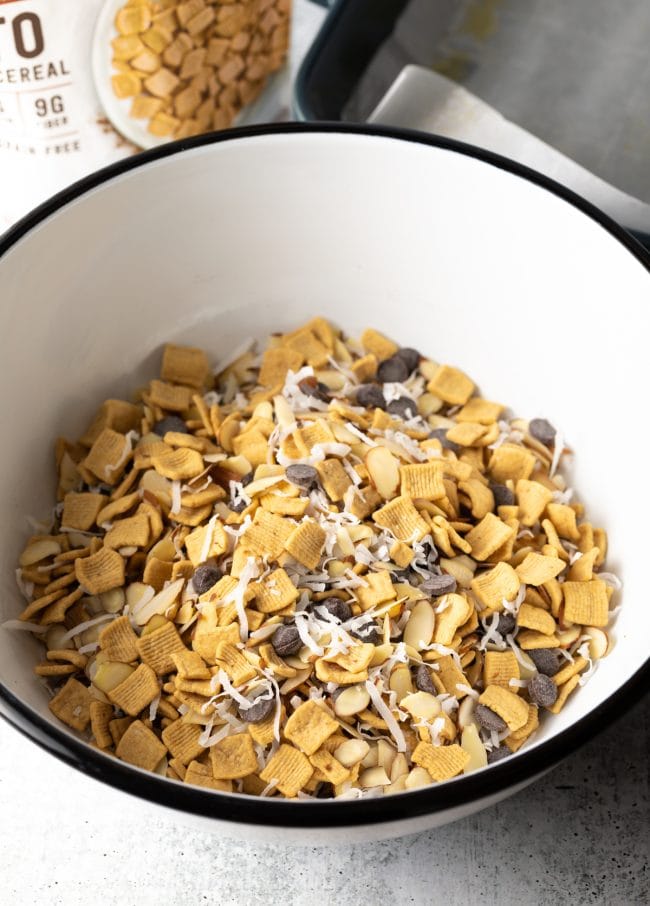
<point x="383" y="469"/>
<point x="470" y="741"/>
<point x="400" y="681"/>
<point x="419" y="629"/>
<point x="352" y="700"/>
<point x="109" y="675"/>
<point x="598" y="642"/>
<point x="372" y="777"/>
<point x="417" y="777"/>
<point x="159" y="604"/>
<point x="351" y="752"/>
<point x="421" y="705"/>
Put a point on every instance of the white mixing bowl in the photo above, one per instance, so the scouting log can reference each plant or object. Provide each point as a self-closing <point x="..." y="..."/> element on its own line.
<point x="473" y="260"/>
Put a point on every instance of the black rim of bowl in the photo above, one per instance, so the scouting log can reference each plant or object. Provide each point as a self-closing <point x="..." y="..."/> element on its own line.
<point x="437" y="798"/>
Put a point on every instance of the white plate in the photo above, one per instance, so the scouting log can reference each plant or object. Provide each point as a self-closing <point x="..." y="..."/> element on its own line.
<point x="269" y="106"/>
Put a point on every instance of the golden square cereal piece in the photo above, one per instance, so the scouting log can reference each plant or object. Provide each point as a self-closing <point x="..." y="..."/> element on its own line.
<point x="200" y="21"/>
<point x="284" y="506"/>
<point x="402" y="519"/>
<point x="324" y="331"/>
<point x="563" y="693"/>
<point x="275" y="592"/>
<point x="192" y="517"/>
<point x="169" y="396"/>
<point x="331" y="769"/>
<point x="422" y="480"/>
<point x="499" y="667"/>
<point x="162" y="83"/>
<point x="56" y="611"/>
<point x="125" y="47"/>
<point x="481" y="498"/>
<point x="582" y="570"/>
<point x="196" y="541"/>
<point x="276" y="665"/>
<point x="118" y="727"/>
<point x="378" y="590"/>
<point x="364" y="502"/>
<point x="157" y="572"/>
<point x="182" y="740"/>
<point x="118" y="641"/>
<point x="220" y="590"/>
<point x="146" y="61"/>
<point x="356" y="659"/>
<point x="311" y="434"/>
<point x="289" y="769"/>
<point x="378" y="345"/>
<point x="267" y="535"/>
<point x="178" y="465"/>
<point x="401" y="554"/>
<point x="451" y="385"/>
<point x="108" y="456"/>
<point x="530" y="640"/>
<point x="511" y="461"/>
<point x="532" y="498"/>
<point x="276" y="362"/>
<point x="479" y="410"/>
<point x="189" y="9"/>
<point x="163" y="124"/>
<point x="117" y="507"/>
<point x="536" y="569"/>
<point x="230" y="659"/>
<point x="563" y="518"/>
<point x="116" y="414"/>
<point x="136" y="692"/>
<point x="156" y="648"/>
<point x="451" y="676"/>
<point x="509" y="706"/>
<point x="233" y="757"/>
<point x="179" y="770"/>
<point x="198" y="774"/>
<point x="253" y="445"/>
<point x="505" y="551"/>
<point x="442" y="762"/>
<point x="469" y="434"/>
<point x="182" y="569"/>
<point x="157" y="38"/>
<point x="130" y="532"/>
<point x="80" y="510"/>
<point x="71" y="704"/>
<point x="516" y="740"/>
<point x="131" y="20"/>
<point x="554" y="592"/>
<point x="100" y="717"/>
<point x="535" y="618"/>
<point x="309" y="726"/>
<point x="264" y="733"/>
<point x="571" y="669"/>
<point x="185" y="365"/>
<point x="190" y="665"/>
<point x="100" y="572"/>
<point x="365" y="368"/>
<point x="125" y="84"/>
<point x="334" y="479"/>
<point x="331" y="673"/>
<point x="488" y="536"/>
<point x="456" y="612"/>
<point x="600" y="540"/>
<point x="305" y="342"/>
<point x="586" y="603"/>
<point x="305" y="544"/>
<point x="140" y="746"/>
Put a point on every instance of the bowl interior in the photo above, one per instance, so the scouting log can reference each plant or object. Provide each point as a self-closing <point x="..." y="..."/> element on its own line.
<point x="473" y="265"/>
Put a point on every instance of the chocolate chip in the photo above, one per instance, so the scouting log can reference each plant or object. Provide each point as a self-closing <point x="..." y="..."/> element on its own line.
<point x="259" y="710"/>
<point x="441" y="435"/>
<point x="489" y="719"/>
<point x="498" y="754"/>
<point x="547" y="660"/>
<point x="324" y="790"/>
<point x="503" y="496"/>
<point x="423" y="680"/>
<point x="438" y="585"/>
<point x="170" y="423"/>
<point x="542" y="690"/>
<point x="410" y="357"/>
<point x="311" y="387"/>
<point x="542" y="431"/>
<point x="506" y="623"/>
<point x="302" y="476"/>
<point x="430" y="552"/>
<point x="403" y="407"/>
<point x="286" y="640"/>
<point x="237" y="506"/>
<point x="336" y="607"/>
<point x="367" y="632"/>
<point x="204" y="578"/>
<point x="370" y="396"/>
<point x="393" y="370"/>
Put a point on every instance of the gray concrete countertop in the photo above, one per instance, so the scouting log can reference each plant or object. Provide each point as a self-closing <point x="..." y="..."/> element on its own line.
<point x="581" y="835"/>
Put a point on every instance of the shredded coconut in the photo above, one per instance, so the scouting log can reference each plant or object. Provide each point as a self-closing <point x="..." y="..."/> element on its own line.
<point x="387" y="715"/>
